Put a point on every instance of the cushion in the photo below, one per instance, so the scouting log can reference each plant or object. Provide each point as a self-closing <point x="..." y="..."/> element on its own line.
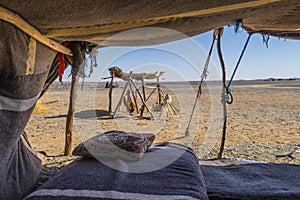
<point x="115" y="144"/>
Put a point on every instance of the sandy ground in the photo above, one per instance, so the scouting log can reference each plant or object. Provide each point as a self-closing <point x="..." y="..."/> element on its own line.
<point x="263" y="121"/>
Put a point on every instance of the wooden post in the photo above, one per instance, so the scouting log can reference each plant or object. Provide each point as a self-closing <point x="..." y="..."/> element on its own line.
<point x="222" y="146"/>
<point x="143" y="102"/>
<point x="70" y="116"/>
<point x="144" y="96"/>
<point x="78" y="59"/>
<point x="122" y="95"/>
<point x="134" y="99"/>
<point x="159" y="92"/>
<point x="110" y="92"/>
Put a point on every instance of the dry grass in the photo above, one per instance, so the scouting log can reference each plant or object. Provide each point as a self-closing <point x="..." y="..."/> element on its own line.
<point x="41" y="107"/>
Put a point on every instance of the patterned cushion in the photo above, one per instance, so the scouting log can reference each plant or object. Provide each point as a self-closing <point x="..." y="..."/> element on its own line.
<point x="115" y="144"/>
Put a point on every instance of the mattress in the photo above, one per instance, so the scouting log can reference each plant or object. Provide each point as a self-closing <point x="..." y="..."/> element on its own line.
<point x="166" y="171"/>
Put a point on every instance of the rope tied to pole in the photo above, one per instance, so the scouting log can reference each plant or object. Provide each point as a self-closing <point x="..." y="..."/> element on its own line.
<point x="202" y="78"/>
<point x="224" y="93"/>
<point x="218" y="32"/>
<point x="227" y="96"/>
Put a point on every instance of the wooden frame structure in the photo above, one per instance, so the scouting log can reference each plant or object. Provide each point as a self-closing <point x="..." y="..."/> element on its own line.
<point x="129" y="77"/>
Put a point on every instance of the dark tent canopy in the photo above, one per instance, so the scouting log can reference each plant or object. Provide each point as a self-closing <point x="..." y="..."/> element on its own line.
<point x="95" y="20"/>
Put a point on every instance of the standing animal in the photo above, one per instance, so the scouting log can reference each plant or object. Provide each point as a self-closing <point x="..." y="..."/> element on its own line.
<point x="130" y="105"/>
<point x="169" y="106"/>
<point x="167" y="99"/>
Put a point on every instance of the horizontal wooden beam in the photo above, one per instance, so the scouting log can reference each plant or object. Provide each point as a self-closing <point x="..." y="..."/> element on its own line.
<point x="16" y="20"/>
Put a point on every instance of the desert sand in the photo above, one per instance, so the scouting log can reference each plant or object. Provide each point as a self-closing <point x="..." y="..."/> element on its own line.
<point x="263" y="121"/>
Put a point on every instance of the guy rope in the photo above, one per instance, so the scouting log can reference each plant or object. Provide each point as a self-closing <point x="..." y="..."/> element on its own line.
<point x="227" y="96"/>
<point x="203" y="77"/>
<point x="228" y="90"/>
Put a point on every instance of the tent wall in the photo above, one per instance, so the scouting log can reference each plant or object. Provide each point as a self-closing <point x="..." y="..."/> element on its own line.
<point x="23" y="71"/>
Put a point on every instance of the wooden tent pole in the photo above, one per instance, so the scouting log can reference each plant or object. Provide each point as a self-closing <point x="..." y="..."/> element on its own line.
<point x="70" y="116"/>
<point x="110" y="92"/>
<point x="78" y="59"/>
<point x="220" y="32"/>
<point x="159" y="92"/>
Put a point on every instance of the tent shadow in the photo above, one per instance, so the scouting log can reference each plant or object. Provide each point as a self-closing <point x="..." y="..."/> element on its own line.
<point x="55" y="116"/>
<point x="90" y="114"/>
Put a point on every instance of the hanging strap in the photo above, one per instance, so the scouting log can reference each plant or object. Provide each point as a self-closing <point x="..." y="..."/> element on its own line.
<point x="202" y="78"/>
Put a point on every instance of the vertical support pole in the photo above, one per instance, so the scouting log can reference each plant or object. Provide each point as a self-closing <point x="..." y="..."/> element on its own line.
<point x="78" y="59"/>
<point x="159" y="92"/>
<point x="110" y="92"/>
<point x="220" y="154"/>
<point x="144" y="96"/>
<point x="70" y="116"/>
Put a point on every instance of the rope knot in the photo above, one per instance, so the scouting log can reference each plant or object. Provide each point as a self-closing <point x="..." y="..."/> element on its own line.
<point x="228" y="95"/>
<point x="217" y="32"/>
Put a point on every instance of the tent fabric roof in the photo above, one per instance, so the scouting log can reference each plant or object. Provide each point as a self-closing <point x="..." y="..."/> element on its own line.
<point x="96" y="20"/>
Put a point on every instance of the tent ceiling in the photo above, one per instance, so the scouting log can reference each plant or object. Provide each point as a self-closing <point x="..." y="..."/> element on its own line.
<point x="96" y="20"/>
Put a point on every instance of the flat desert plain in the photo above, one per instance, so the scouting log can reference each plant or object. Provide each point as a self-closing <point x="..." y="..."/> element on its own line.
<point x="263" y="122"/>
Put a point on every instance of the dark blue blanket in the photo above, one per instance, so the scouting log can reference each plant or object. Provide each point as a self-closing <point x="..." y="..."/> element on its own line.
<point x="167" y="171"/>
<point x="234" y="179"/>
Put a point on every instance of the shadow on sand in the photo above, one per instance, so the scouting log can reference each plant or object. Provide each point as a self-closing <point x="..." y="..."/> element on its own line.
<point x="90" y="114"/>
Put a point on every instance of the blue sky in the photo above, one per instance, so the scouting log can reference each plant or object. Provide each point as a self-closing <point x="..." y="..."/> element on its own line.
<point x="184" y="59"/>
<point x="280" y="59"/>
